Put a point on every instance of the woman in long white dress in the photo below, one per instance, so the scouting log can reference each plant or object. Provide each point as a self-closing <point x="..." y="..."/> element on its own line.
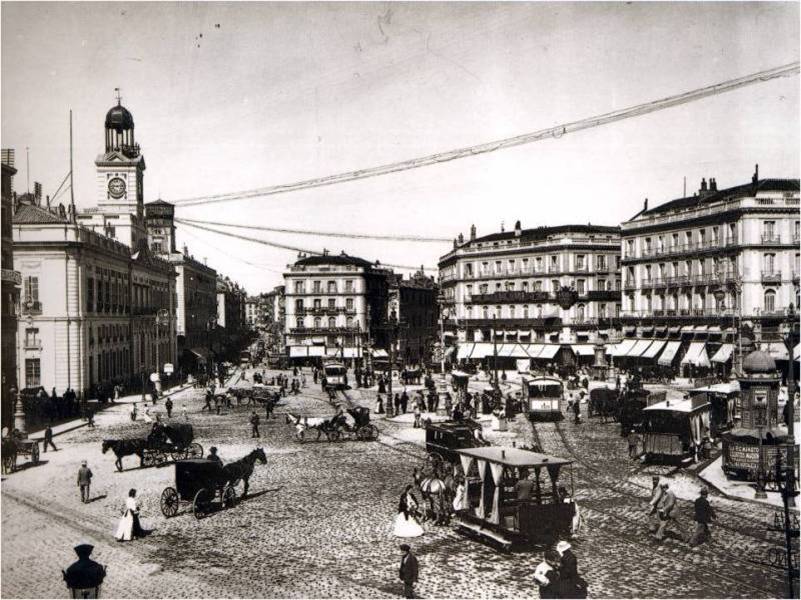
<point x="129" y="527"/>
<point x="406" y="524"/>
<point x="458" y="498"/>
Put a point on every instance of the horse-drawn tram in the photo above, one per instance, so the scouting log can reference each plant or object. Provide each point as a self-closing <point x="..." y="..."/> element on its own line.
<point x="445" y="439"/>
<point x="674" y="430"/>
<point x="513" y="497"/>
<point x="545" y="395"/>
<point x="336" y="376"/>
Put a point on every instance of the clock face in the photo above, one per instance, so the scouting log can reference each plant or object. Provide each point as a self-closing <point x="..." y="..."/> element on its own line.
<point x="116" y="188"/>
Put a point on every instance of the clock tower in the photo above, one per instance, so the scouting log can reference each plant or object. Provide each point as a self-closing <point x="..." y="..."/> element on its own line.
<point x="120" y="178"/>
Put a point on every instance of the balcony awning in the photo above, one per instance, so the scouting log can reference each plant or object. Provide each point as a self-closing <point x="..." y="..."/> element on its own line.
<point x="638" y="348"/>
<point x="379" y="353"/>
<point x="696" y="355"/>
<point x="668" y="354"/>
<point x="534" y="350"/>
<point x="654" y="349"/>
<point x="623" y="348"/>
<point x="350" y="352"/>
<point x="298" y="351"/>
<point x="674" y="330"/>
<point x="723" y="354"/>
<point x="549" y="351"/>
<point x="464" y="350"/>
<point x="522" y="334"/>
<point x="481" y="350"/>
<point x="700" y="329"/>
<point x="583" y="349"/>
<point x="316" y="350"/>
<point x="661" y="330"/>
<point x="629" y="330"/>
<point x="714" y="329"/>
<point x="688" y="329"/>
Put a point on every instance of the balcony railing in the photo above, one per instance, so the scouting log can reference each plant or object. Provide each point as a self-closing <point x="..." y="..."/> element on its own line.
<point x="771" y="276"/>
<point x="692" y="247"/>
<point x="508" y="296"/>
<point x="771" y="238"/>
<point x="326" y="310"/>
<point x="12" y="276"/>
<point x="323" y="330"/>
<point x="33" y="344"/>
<point x="630" y="284"/>
<point x="32" y="307"/>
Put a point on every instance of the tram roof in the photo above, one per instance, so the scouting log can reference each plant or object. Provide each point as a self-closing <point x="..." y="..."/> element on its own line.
<point x="514" y="457"/>
<point x="680" y="406"/>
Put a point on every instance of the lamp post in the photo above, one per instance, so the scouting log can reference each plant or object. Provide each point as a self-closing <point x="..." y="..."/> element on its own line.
<point x="19" y="411"/>
<point x="495" y="352"/>
<point x="392" y="328"/>
<point x="162" y="318"/>
<point x="443" y="315"/>
<point x="210" y="325"/>
<point x="789" y="337"/>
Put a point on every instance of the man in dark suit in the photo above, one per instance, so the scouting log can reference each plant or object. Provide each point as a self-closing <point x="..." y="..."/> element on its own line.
<point x="408" y="571"/>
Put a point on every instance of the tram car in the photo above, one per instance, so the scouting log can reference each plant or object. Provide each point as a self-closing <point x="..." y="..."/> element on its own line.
<point x="443" y="440"/>
<point x="723" y="398"/>
<point x="674" y="430"/>
<point x="336" y="376"/>
<point x="630" y="407"/>
<point x="491" y="509"/>
<point x="545" y="396"/>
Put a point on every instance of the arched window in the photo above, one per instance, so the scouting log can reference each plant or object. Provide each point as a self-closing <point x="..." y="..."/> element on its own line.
<point x="332" y="322"/>
<point x="349" y="322"/>
<point x="525" y="311"/>
<point x="299" y="323"/>
<point x="317" y="322"/>
<point x="512" y="311"/>
<point x="580" y="313"/>
<point x="770" y="301"/>
<point x="485" y="312"/>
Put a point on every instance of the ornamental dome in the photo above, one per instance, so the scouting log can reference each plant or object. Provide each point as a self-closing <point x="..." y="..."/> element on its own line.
<point x="759" y="361"/>
<point x="119" y="118"/>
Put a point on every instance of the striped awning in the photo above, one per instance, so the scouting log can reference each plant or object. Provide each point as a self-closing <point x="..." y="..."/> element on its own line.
<point x="623" y="348"/>
<point x="696" y="355"/>
<point x="481" y="350"/>
<point x="669" y="353"/>
<point x="316" y="350"/>
<point x="465" y="350"/>
<point x="654" y="349"/>
<point x="723" y="354"/>
<point x="638" y="348"/>
<point x="534" y="350"/>
<point x="549" y="351"/>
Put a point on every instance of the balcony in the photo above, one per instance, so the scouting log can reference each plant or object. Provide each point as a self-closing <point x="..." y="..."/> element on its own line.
<point x="629" y="285"/>
<point x="771" y="276"/>
<point x="32" y="307"/>
<point x="11" y="276"/>
<point x="771" y="239"/>
<point x="508" y="296"/>
<point x="324" y="330"/>
<point x="326" y="310"/>
<point x="678" y="281"/>
<point x="33" y="344"/>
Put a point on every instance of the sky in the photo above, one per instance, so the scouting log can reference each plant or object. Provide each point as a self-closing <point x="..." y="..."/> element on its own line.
<point x="235" y="96"/>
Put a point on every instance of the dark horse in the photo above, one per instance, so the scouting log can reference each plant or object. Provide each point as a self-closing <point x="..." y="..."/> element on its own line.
<point x="123" y="448"/>
<point x="242" y="469"/>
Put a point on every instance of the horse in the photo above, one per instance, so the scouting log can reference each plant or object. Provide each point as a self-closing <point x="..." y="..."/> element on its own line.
<point x="9" y="454"/>
<point x="122" y="448"/>
<point x="302" y="424"/>
<point x="242" y="469"/>
<point x="433" y="491"/>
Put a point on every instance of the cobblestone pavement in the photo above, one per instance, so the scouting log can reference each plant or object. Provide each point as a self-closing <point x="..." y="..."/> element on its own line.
<point x="318" y="520"/>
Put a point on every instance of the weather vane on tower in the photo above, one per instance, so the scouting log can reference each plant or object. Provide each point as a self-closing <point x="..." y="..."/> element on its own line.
<point x="119" y="98"/>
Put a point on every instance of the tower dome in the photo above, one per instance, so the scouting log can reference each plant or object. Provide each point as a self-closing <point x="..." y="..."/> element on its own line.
<point x="759" y="361"/>
<point x="120" y="131"/>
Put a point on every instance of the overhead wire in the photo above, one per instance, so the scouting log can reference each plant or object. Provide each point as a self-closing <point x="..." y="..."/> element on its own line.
<point x="356" y="236"/>
<point x="527" y="138"/>
<point x="58" y="189"/>
<point x="293" y="248"/>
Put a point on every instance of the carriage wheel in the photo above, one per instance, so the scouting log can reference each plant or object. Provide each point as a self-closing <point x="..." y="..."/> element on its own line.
<point x="147" y="459"/>
<point x="159" y="458"/>
<point x="194" y="450"/>
<point x="35" y="453"/>
<point x="179" y="454"/>
<point x="201" y="503"/>
<point x="334" y="435"/>
<point x="372" y="432"/>
<point x="362" y="434"/>
<point x="229" y="496"/>
<point x="169" y="502"/>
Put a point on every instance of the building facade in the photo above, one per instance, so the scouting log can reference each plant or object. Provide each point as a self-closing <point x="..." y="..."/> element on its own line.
<point x="414" y="303"/>
<point x="231" y="329"/>
<point x="11" y="281"/>
<point x="509" y="282"/>
<point x="196" y="287"/>
<point x="252" y="310"/>
<point x="711" y="261"/>
<point x="336" y="305"/>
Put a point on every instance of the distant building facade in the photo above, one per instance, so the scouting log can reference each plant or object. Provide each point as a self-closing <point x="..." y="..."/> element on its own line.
<point x="11" y="281"/>
<point x="414" y="303"/>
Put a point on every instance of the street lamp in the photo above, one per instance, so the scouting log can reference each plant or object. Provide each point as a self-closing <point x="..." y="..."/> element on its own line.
<point x="789" y="328"/>
<point x="443" y="316"/>
<point x="210" y="325"/>
<point x="84" y="577"/>
<point x="162" y="318"/>
<point x="392" y="328"/>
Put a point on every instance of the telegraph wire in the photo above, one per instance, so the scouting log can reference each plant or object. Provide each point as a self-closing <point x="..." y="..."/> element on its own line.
<point x="58" y="189"/>
<point x="287" y="247"/>
<point x="266" y="267"/>
<point x="357" y="236"/>
<point x="527" y="138"/>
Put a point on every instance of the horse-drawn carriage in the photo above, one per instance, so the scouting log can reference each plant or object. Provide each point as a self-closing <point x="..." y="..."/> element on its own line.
<point x="630" y="409"/>
<point x="175" y="440"/>
<point x="445" y="439"/>
<point x="336" y="428"/>
<point x="492" y="508"/>
<point x="361" y="428"/>
<point x="14" y="446"/>
<point x="203" y="482"/>
<point x="603" y="403"/>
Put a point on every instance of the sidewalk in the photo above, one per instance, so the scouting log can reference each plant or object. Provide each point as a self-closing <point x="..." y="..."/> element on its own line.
<point x="743" y="491"/>
<point x="74" y="424"/>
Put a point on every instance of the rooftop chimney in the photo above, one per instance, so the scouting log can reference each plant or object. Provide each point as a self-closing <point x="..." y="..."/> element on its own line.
<point x="186" y="250"/>
<point x="472" y="232"/>
<point x="755" y="178"/>
<point x="645" y="205"/>
<point x="703" y="185"/>
<point x="460" y="239"/>
<point x="518" y="229"/>
<point x="713" y="185"/>
<point x="502" y="227"/>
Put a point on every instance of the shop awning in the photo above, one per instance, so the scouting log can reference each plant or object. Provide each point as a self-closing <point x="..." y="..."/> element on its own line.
<point x="688" y="329"/>
<point x="623" y="348"/>
<point x="201" y="353"/>
<point x="349" y="352"/>
<point x="673" y="330"/>
<point x="701" y="329"/>
<point x="723" y="354"/>
<point x="549" y="351"/>
<point x="583" y="349"/>
<point x="654" y="349"/>
<point x="481" y="350"/>
<point x="668" y="354"/>
<point x="638" y="348"/>
<point x="464" y="350"/>
<point x="379" y="353"/>
<point x="777" y="350"/>
<point x="333" y="352"/>
<point x="696" y="355"/>
<point x="514" y="351"/>
<point x="504" y="350"/>
<point x="298" y="351"/>
<point x="534" y="350"/>
<point x="316" y="350"/>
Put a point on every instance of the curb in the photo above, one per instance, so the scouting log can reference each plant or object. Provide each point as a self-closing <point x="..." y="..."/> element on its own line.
<point x="734" y="498"/>
<point x="39" y="436"/>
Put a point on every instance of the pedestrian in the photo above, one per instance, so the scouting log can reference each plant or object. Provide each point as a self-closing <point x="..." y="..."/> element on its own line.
<point x="379" y="404"/>
<point x="48" y="439"/>
<point x="213" y="456"/>
<point x="84" y="481"/>
<point x="404" y="402"/>
<point x="408" y="572"/>
<point x="571" y="584"/>
<point x="656" y="493"/>
<point x="183" y="412"/>
<point x="268" y="408"/>
<point x="634" y="443"/>
<point x="315" y="375"/>
<point x="130" y="527"/>
<point x="577" y="411"/>
<point x="417" y="414"/>
<point x="664" y="508"/>
<point x="90" y="419"/>
<point x="133" y="412"/>
<point x="704" y="514"/>
<point x="546" y="575"/>
<point x="168" y="406"/>
<point x="397" y="403"/>
<point x="254" y="425"/>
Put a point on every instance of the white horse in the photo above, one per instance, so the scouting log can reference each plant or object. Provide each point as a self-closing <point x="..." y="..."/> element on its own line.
<point x="305" y="424"/>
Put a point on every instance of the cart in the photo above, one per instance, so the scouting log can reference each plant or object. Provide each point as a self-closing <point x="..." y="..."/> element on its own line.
<point x="201" y="483"/>
<point x="175" y="440"/>
<point x="362" y="429"/>
<point x="14" y="447"/>
<point x="445" y="439"/>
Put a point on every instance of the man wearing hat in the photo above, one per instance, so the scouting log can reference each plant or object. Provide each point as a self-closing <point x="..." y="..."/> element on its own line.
<point x="213" y="455"/>
<point x="570" y="583"/>
<point x="84" y="481"/>
<point x="408" y="571"/>
<point x="664" y="508"/>
<point x="84" y="574"/>
<point x="704" y="513"/>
